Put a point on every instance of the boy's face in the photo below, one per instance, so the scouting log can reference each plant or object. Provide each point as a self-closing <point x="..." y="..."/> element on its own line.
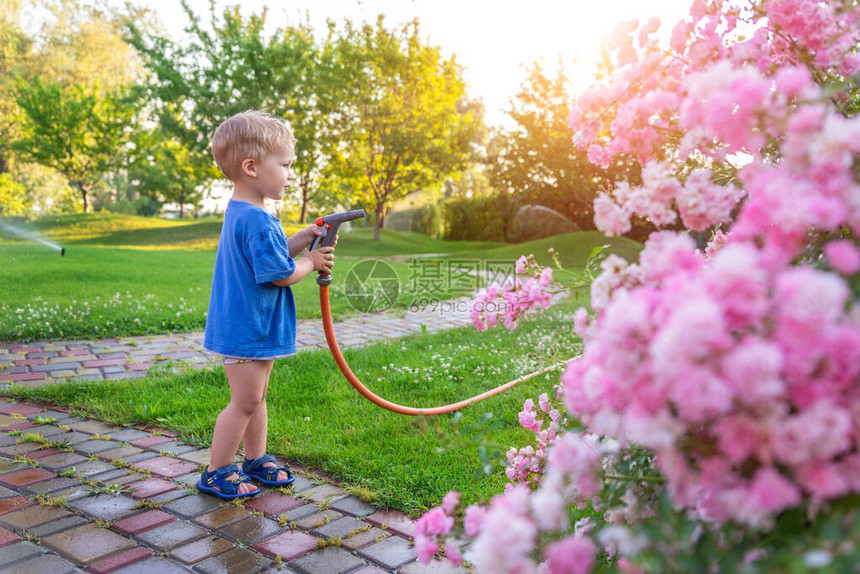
<point x="275" y="173"/>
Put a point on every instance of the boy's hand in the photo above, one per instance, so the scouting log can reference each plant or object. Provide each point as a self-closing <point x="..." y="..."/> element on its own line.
<point x="316" y="230"/>
<point x="322" y="258"/>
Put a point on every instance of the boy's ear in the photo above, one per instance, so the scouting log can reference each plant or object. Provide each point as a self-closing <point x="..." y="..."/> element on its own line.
<point x="249" y="167"/>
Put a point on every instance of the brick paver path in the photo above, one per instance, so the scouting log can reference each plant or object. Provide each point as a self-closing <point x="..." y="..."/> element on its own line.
<point x="39" y="363"/>
<point x="80" y="495"/>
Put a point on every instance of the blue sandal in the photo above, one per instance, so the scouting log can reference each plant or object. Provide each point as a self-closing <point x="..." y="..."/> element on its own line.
<point x="267" y="474"/>
<point x="217" y="483"/>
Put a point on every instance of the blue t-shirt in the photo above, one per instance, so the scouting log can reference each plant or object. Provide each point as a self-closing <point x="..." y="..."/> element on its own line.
<point x="249" y="316"/>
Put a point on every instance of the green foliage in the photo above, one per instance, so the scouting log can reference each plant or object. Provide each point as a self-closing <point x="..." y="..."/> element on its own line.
<point x="535" y="161"/>
<point x="469" y="219"/>
<point x="13" y="200"/>
<point x="426" y="219"/>
<point x="77" y="130"/>
<point x="404" y="116"/>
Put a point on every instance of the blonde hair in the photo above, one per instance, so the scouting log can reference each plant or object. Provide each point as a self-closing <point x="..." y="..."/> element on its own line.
<point x="247" y="135"/>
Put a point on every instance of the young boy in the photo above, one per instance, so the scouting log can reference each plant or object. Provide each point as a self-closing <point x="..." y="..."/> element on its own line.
<point x="252" y="316"/>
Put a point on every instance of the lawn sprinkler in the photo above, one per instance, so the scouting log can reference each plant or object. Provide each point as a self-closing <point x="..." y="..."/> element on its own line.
<point x="329" y="224"/>
<point x="62" y="251"/>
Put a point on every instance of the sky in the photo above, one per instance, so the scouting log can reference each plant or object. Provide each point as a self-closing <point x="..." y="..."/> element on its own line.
<point x="491" y="40"/>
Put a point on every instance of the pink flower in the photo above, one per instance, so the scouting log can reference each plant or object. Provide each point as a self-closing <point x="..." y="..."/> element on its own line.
<point x="425" y="548"/>
<point x="452" y="552"/>
<point x="843" y="256"/>
<point x="473" y="519"/>
<point x="572" y="555"/>
<point x="450" y="502"/>
<point x="609" y="217"/>
<point x="434" y="523"/>
<point x="771" y="492"/>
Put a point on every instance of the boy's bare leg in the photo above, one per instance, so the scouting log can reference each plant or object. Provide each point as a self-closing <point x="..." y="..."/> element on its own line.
<point x="256" y="432"/>
<point x="248" y="382"/>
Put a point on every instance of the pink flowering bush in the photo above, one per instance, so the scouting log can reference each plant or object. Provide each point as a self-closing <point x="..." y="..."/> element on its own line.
<point x="713" y="420"/>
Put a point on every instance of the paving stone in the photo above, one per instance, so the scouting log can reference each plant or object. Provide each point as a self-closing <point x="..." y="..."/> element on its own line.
<point x="251" y="529"/>
<point x="95" y="446"/>
<point x="201" y="549"/>
<point x="174" y="447"/>
<point x="58" y="525"/>
<point x="87" y="543"/>
<point x="151" y="441"/>
<point x="302" y="484"/>
<point x="391" y="553"/>
<point x="32" y="516"/>
<point x="19" y="449"/>
<point x="288" y="545"/>
<point x="7" y="440"/>
<point x="192" y="506"/>
<point x="274" y="503"/>
<point x="352" y="505"/>
<point x="198" y="456"/>
<point x="168" y="496"/>
<point x="171" y="535"/>
<point x="93" y="427"/>
<point x="325" y="492"/>
<point x="26" y="477"/>
<point x="120" y="560"/>
<point x="73" y="493"/>
<point x="7" y="537"/>
<point x="7" y="466"/>
<point x="50" y="431"/>
<point x="61" y="461"/>
<point x="40" y="565"/>
<point x="91" y="467"/>
<point x="107" y="506"/>
<point x="395" y="521"/>
<point x="142" y="522"/>
<point x="318" y="519"/>
<point x="435" y="567"/>
<point x="23" y="410"/>
<point x="301" y="512"/>
<point x="18" y="551"/>
<point x="166" y="467"/>
<point x="14" y="503"/>
<point x="127" y="435"/>
<point x="339" y="528"/>
<point x="145" y="455"/>
<point x="189" y="479"/>
<point x="237" y="560"/>
<point x="152" y="565"/>
<point x="72" y="438"/>
<point x="330" y="560"/>
<point x="150" y="487"/>
<point x="370" y="569"/>
<point x="120" y="453"/>
<point x="7" y="492"/>
<point x="109" y="476"/>
<point x="222" y="517"/>
<point x="42" y="453"/>
<point x="364" y="538"/>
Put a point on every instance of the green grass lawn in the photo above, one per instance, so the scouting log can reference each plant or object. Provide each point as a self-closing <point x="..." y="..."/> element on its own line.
<point x="318" y="420"/>
<point x="125" y="275"/>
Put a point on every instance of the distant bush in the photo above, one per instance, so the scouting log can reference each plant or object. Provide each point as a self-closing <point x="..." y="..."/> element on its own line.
<point x="477" y="217"/>
<point x="426" y="219"/>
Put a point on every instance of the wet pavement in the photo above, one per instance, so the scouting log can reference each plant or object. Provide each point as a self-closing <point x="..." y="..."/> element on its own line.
<point x="80" y="495"/>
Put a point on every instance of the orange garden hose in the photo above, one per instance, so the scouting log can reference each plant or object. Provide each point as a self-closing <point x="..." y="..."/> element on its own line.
<point x="379" y="401"/>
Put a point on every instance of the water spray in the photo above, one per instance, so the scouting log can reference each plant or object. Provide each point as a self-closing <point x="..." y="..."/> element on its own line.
<point x="32" y="237"/>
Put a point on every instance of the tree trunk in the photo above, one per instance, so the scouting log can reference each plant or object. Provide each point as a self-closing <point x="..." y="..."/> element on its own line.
<point x="303" y="184"/>
<point x="380" y="219"/>
<point x="85" y="196"/>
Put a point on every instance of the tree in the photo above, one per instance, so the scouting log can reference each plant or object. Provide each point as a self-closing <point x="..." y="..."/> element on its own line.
<point x="535" y="162"/>
<point x="162" y="168"/>
<point x="76" y="130"/>
<point x="402" y="118"/>
<point x="14" y="50"/>
<point x="229" y="67"/>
